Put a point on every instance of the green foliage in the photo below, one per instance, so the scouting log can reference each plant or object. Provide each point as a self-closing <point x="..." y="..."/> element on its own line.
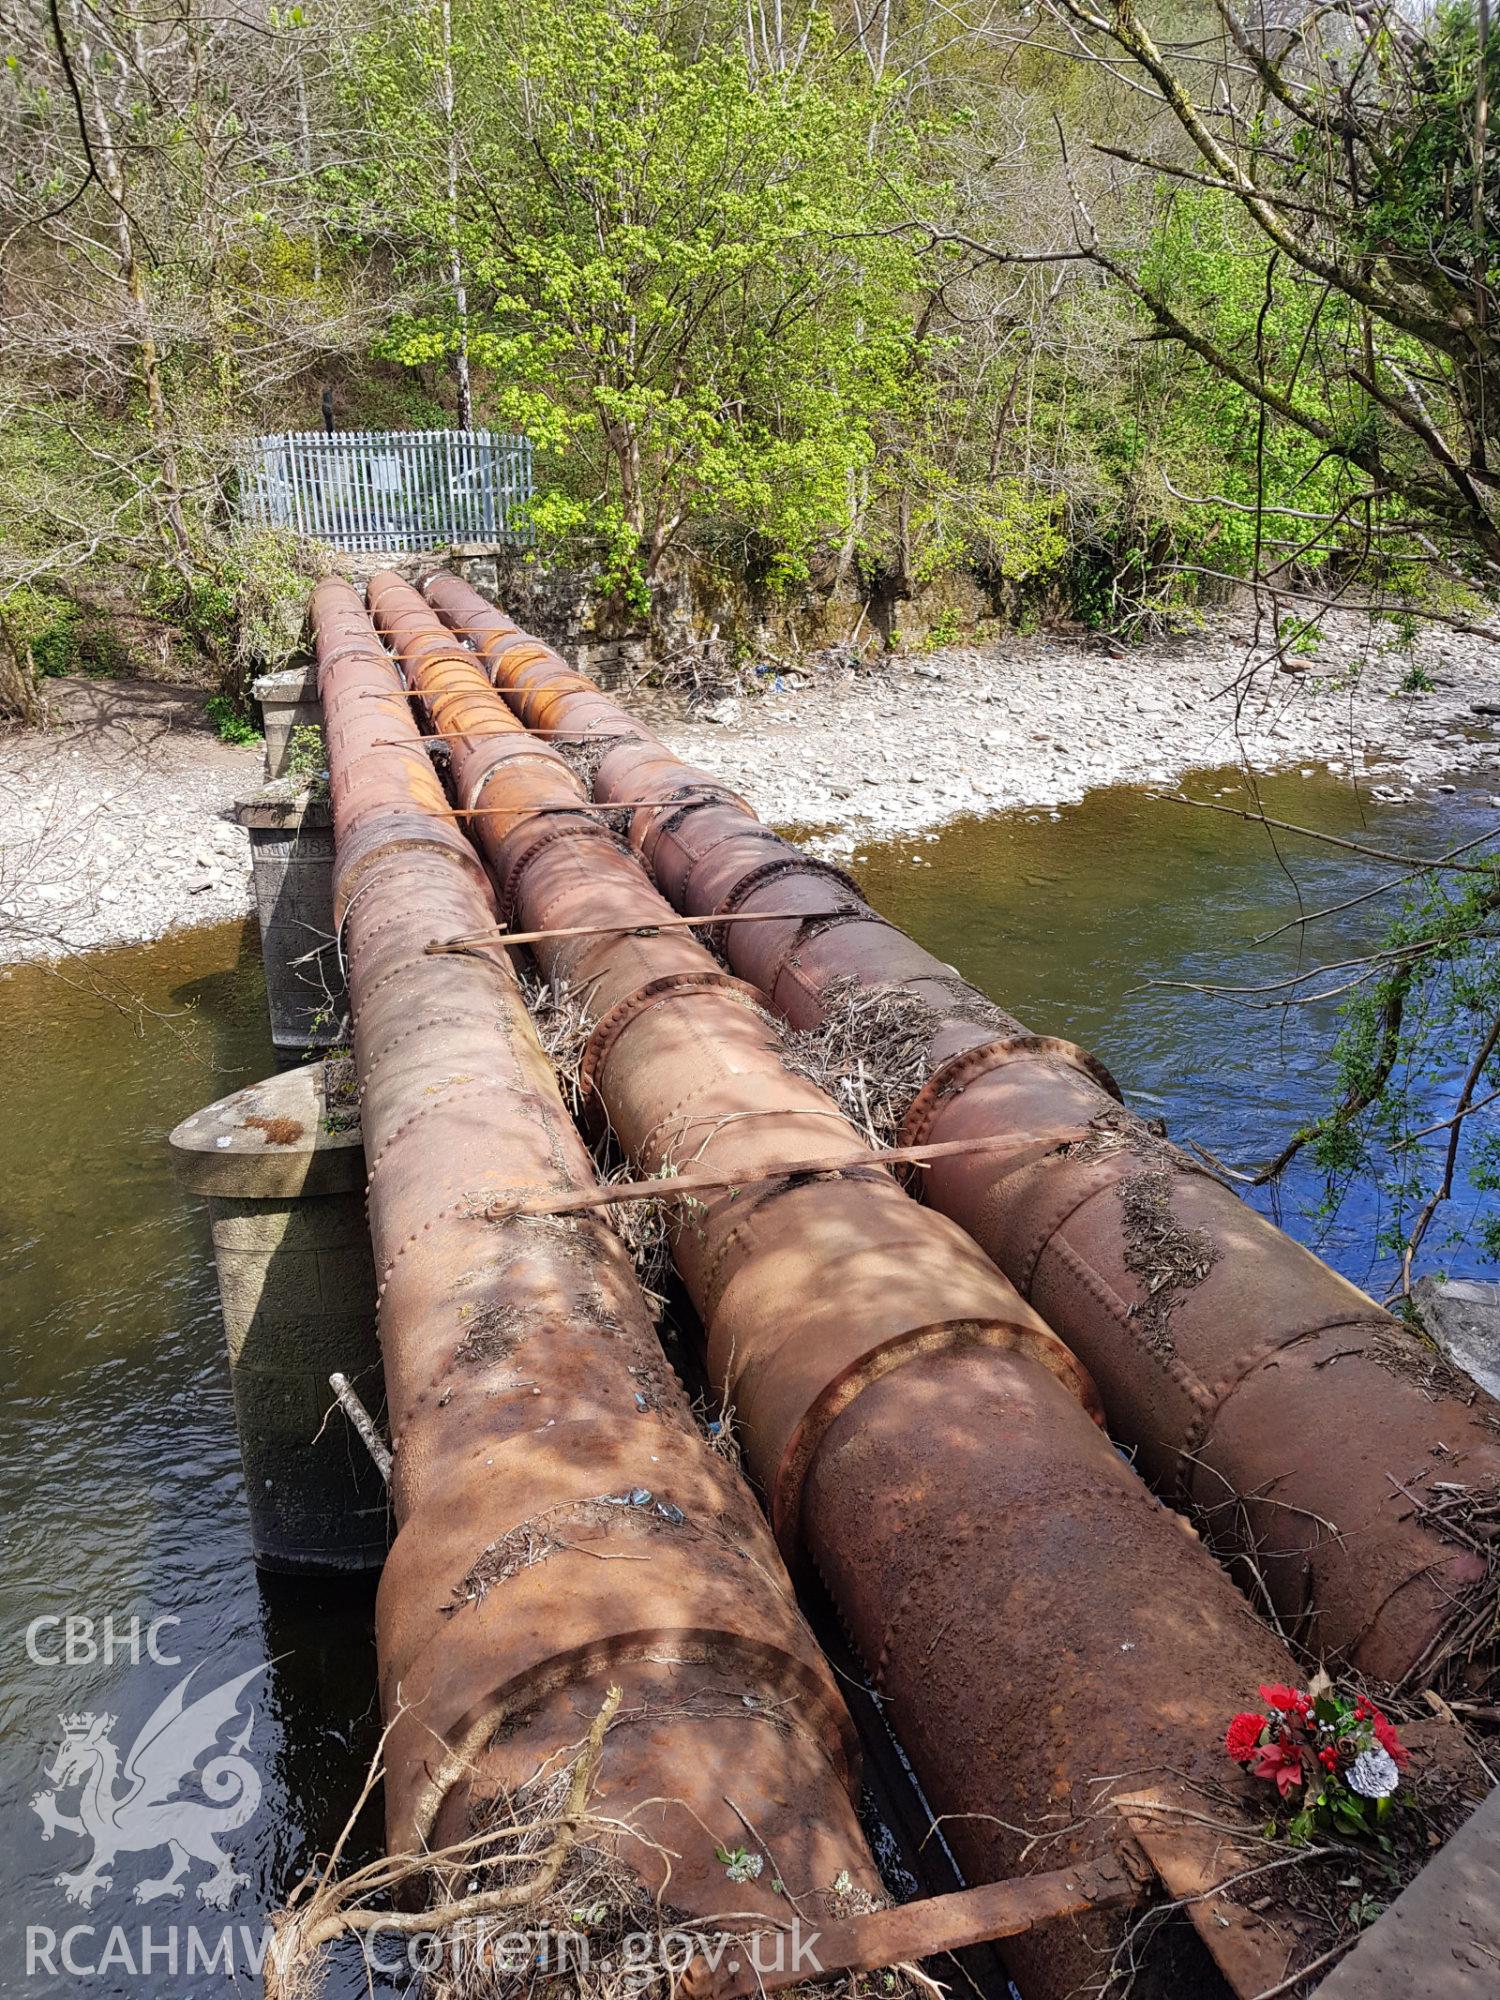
<point x="698" y="278"/>
<point x="1406" y="627"/>
<point x="1484" y="1177"/>
<point x="64" y="636"/>
<point x="1188" y="430"/>
<point x="944" y="631"/>
<point x="1299" y="636"/>
<point x="245" y="609"/>
<point x="1424" y="204"/>
<point x="200" y="602"/>
<point x="307" y="759"/>
<point x="683" y="288"/>
<point x="232" y="724"/>
<point x="268" y="575"/>
<point x="1409" y="1032"/>
<point x="232" y="605"/>
<point x="1342" y="151"/>
<point x="1002" y="529"/>
<point x="1365" y="1908"/>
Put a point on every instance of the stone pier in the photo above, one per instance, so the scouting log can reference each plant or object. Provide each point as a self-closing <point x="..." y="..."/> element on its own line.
<point x="288" y="702"/>
<point x="282" y="1167"/>
<point x="291" y="859"/>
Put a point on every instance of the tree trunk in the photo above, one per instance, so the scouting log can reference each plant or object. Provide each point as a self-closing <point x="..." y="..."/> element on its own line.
<point x="20" y="691"/>
<point x="455" y="256"/>
<point x="148" y="355"/>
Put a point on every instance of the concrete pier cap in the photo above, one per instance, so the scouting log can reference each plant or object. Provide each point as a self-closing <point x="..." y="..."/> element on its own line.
<point x="282" y="1168"/>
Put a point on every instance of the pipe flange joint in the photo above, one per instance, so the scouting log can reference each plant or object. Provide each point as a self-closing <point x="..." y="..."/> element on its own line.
<point x="607" y="1030"/>
<point x="961" y="1070"/>
<point x="771" y="871"/>
<point x="501" y="762"/>
<point x="1033" y="1342"/>
<point x="586" y="825"/>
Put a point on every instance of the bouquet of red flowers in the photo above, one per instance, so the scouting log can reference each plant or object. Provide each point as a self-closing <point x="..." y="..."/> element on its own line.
<point x="1335" y="1757"/>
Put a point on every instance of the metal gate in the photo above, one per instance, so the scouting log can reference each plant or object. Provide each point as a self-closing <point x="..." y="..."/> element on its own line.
<point x="364" y="491"/>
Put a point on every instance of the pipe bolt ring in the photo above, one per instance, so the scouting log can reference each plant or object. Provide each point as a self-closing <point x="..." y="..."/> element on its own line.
<point x="611" y="1024"/>
<point x="516" y="872"/>
<point x="955" y="1075"/>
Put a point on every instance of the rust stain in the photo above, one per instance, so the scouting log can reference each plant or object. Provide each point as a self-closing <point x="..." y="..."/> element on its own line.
<point x="1207" y="1329"/>
<point x="277" y="1131"/>
<point x="922" y="1436"/>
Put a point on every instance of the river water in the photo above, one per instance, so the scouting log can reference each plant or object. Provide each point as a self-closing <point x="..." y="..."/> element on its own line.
<point x="122" y="1490"/>
<point x="1075" y="920"/>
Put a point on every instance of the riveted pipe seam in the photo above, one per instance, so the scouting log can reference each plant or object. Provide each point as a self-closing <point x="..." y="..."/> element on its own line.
<point x="995" y="1507"/>
<point x="1254" y="1455"/>
<point x="463" y="1646"/>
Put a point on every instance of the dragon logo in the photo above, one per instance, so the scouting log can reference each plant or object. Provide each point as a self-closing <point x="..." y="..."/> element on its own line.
<point x="138" y="1810"/>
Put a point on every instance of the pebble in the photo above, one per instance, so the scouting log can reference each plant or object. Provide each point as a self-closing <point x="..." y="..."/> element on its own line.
<point x="123" y="839"/>
<point x="1071" y="719"/>
<point x="1021" y="724"/>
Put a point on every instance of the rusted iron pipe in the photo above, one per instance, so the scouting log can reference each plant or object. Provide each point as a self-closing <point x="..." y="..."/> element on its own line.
<point x="1036" y="1622"/>
<point x="563" y="1525"/>
<point x="1317" y="1437"/>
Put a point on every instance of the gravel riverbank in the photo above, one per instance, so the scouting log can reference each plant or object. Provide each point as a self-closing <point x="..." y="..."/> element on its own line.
<point x="918" y="740"/>
<point x="114" y="823"/>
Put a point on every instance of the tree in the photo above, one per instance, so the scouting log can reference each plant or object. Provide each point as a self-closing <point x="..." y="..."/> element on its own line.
<point x="414" y="78"/>
<point x="1324" y="247"/>
<point x="682" y="288"/>
<point x="1356" y="146"/>
<point x="163" y="288"/>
